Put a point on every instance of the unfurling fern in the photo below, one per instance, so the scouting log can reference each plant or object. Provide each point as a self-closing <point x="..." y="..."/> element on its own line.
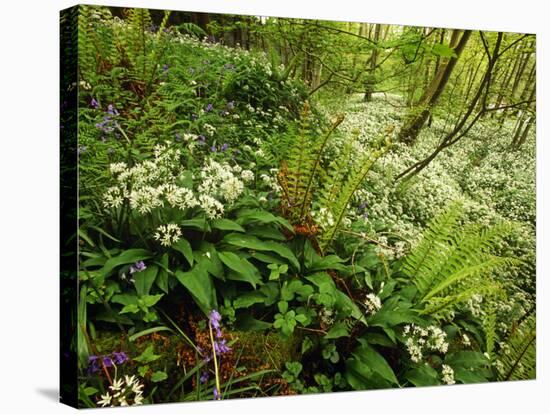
<point x="300" y="170"/>
<point x="519" y="363"/>
<point x="452" y="262"/>
<point x="302" y="173"/>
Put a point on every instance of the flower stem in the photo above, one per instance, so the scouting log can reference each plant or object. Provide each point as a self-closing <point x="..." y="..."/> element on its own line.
<point x="215" y="361"/>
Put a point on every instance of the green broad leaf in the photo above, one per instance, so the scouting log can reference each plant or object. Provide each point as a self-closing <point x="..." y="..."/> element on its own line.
<point x="310" y="255"/>
<point x="468" y="376"/>
<point x="267" y="258"/>
<point x="244" y="240"/>
<point x="266" y="232"/>
<point x="150" y="300"/>
<point x="326" y="263"/>
<point x="144" y="280"/>
<point x="162" y="277"/>
<point x="242" y="269"/>
<point x="263" y="217"/>
<point x="296" y="287"/>
<point x="345" y="304"/>
<point x="387" y="317"/>
<point x="198" y="223"/>
<point x="126" y="257"/>
<point x="338" y="330"/>
<point x="148" y="355"/>
<point x="125" y="299"/>
<point x="375" y="362"/>
<point x="246" y="300"/>
<point x="226" y="225"/>
<point x="282" y="306"/>
<point x="466" y="359"/>
<point x="251" y="242"/>
<point x="199" y="284"/>
<point x="142" y="371"/>
<point x="375" y="338"/>
<point x="387" y="290"/>
<point x="422" y="376"/>
<point x="210" y="261"/>
<point x="159" y="376"/>
<point x="184" y="247"/>
<point x="283" y="251"/>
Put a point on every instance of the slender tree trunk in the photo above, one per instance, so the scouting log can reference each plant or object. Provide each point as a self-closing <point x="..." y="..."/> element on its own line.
<point x="417" y="118"/>
<point x="370" y="82"/>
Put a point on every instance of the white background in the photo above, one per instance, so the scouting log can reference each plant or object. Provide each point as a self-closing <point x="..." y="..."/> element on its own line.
<point x="29" y="204"/>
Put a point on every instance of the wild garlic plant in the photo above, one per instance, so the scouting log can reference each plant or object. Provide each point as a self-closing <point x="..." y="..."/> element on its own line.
<point x="165" y="191"/>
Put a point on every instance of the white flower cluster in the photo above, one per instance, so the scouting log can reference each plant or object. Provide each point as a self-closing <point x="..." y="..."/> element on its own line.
<point x="447" y="374"/>
<point x="219" y="181"/>
<point x="271" y="180"/>
<point x="373" y="303"/>
<point x="420" y="340"/>
<point x="123" y="393"/>
<point x="168" y="234"/>
<point x="323" y="217"/>
<point x="153" y="184"/>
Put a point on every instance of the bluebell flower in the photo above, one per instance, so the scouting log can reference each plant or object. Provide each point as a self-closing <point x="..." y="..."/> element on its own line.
<point x="111" y="110"/>
<point x="215" y="319"/>
<point x="201" y="140"/>
<point x="94" y="104"/>
<point x="224" y="147"/>
<point x="137" y="267"/>
<point x="164" y="67"/>
<point x="204" y="377"/>
<point x="216" y="394"/>
<point x="213" y="148"/>
<point x="120" y="357"/>
<point x="178" y="137"/>
<point x="209" y="107"/>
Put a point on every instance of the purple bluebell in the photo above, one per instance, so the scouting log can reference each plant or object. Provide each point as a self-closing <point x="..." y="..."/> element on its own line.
<point x="209" y="107"/>
<point x="111" y="110"/>
<point x="94" y="104"/>
<point x="216" y="394"/>
<point x="164" y="67"/>
<point x="221" y="347"/>
<point x="215" y="319"/>
<point x="137" y="267"/>
<point x="120" y="357"/>
<point x="108" y="361"/>
<point x="201" y="139"/>
<point x="224" y="147"/>
<point x="204" y="377"/>
<point x="178" y="137"/>
<point x="213" y="148"/>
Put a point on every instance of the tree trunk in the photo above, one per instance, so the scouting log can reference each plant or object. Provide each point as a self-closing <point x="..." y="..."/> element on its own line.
<point x="417" y="118"/>
<point x="370" y="82"/>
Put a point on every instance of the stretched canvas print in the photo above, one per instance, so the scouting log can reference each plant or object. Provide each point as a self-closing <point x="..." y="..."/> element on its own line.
<point x="262" y="206"/>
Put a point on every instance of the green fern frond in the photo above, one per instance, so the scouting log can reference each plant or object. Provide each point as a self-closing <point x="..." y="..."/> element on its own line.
<point x="301" y="169"/>
<point x="337" y="202"/>
<point x="520" y="362"/>
<point x="452" y="263"/>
